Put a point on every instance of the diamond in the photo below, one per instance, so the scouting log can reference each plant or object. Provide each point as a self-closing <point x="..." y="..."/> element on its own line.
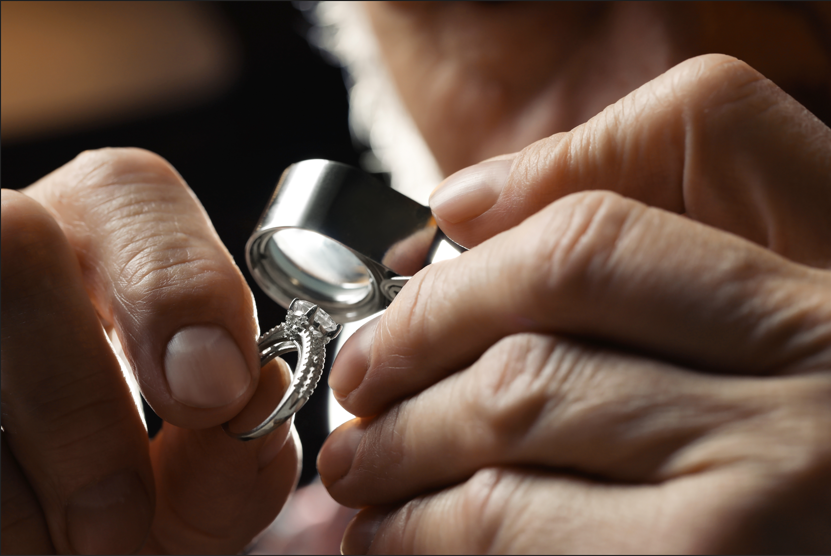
<point x="299" y="308"/>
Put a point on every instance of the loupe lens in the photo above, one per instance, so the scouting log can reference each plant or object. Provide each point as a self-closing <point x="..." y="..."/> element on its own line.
<point x="315" y="264"/>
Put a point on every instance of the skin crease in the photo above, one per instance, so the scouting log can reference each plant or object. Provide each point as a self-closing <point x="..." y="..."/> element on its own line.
<point x="519" y="438"/>
<point x="738" y="457"/>
<point x="116" y="237"/>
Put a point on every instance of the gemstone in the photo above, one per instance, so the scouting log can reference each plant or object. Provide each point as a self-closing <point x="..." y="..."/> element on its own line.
<point x="299" y="308"/>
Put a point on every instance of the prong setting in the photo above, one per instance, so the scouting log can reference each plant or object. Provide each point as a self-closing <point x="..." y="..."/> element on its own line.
<point x="335" y="333"/>
<point x="306" y="314"/>
<point x="310" y="314"/>
<point x="307" y="329"/>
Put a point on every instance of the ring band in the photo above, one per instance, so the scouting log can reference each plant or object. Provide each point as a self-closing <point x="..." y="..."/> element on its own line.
<point x="307" y="329"/>
<point x="338" y="237"/>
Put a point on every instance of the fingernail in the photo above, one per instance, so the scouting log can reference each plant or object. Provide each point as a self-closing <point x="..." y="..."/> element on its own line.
<point x="470" y="192"/>
<point x="204" y="367"/>
<point x="112" y="516"/>
<point x="360" y="533"/>
<point x="351" y="364"/>
<point x="335" y="458"/>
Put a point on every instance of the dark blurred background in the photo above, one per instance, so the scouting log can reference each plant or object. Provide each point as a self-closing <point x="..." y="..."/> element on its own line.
<point x="229" y="93"/>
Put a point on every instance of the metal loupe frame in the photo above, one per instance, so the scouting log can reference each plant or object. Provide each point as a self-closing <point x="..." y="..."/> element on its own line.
<point x="357" y="211"/>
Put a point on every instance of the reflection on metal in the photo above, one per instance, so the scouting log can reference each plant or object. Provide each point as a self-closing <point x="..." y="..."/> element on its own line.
<point x="336" y="414"/>
<point x="314" y="262"/>
<point x="445" y="250"/>
<point x="306" y="330"/>
<point x="338" y="237"/>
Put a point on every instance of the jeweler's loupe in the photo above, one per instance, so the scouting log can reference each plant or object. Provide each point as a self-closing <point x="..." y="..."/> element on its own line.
<point x="338" y="237"/>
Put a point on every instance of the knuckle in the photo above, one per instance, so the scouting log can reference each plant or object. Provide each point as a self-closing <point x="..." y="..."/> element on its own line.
<point x="168" y="276"/>
<point x="158" y="260"/>
<point x="158" y="241"/>
<point x="111" y="166"/>
<point x="509" y="375"/>
<point x="125" y="191"/>
<point x="579" y="238"/>
<point x="129" y="216"/>
<point x="714" y="81"/>
<point x="484" y="500"/>
<point x="523" y="379"/>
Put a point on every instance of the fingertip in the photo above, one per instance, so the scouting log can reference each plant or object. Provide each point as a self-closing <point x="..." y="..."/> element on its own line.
<point x="351" y="364"/>
<point x="470" y="192"/>
<point x="334" y="461"/>
<point x="361" y="531"/>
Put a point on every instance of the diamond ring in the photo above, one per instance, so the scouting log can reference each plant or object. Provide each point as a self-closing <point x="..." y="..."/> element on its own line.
<point x="307" y="329"/>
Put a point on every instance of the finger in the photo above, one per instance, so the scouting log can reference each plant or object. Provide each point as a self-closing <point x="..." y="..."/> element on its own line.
<point x="540" y="401"/>
<point x="68" y="416"/>
<point x="216" y="493"/>
<point x="739" y="510"/>
<point x="158" y="272"/>
<point x="595" y="265"/>
<point x="24" y="529"/>
<point x="515" y="511"/>
<point x="214" y="496"/>
<point x="711" y="138"/>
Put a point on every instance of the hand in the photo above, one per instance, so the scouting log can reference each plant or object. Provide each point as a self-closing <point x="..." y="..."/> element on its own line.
<point x="645" y="368"/>
<point x="115" y="241"/>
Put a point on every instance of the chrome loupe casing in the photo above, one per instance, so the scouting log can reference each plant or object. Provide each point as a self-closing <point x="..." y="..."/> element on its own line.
<point x="336" y="236"/>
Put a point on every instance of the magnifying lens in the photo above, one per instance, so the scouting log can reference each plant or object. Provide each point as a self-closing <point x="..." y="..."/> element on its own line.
<point x="338" y="237"/>
<point x="334" y="247"/>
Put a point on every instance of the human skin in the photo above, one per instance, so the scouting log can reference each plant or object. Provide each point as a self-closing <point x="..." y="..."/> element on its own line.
<point x="635" y="355"/>
<point x="482" y="79"/>
<point x="114" y="242"/>
<point x="649" y="452"/>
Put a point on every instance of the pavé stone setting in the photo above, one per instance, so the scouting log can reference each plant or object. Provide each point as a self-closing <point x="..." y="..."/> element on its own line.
<point x="306" y="330"/>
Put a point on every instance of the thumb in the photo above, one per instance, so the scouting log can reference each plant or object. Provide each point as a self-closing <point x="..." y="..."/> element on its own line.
<point x="711" y="138"/>
<point x="158" y="273"/>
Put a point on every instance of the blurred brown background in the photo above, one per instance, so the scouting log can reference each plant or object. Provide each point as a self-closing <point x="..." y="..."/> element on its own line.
<point x="67" y="65"/>
<point x="229" y="93"/>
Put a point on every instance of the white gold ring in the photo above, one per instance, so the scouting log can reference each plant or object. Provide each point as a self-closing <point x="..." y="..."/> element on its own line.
<point x="307" y="329"/>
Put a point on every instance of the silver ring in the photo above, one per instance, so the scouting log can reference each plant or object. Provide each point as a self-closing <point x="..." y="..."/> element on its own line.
<point x="307" y="329"/>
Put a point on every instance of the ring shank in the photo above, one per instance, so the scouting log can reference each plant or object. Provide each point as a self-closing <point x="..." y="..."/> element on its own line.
<point x="304" y="379"/>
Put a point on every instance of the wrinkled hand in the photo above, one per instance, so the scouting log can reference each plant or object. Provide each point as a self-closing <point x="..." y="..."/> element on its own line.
<point x="635" y="355"/>
<point x="116" y="238"/>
